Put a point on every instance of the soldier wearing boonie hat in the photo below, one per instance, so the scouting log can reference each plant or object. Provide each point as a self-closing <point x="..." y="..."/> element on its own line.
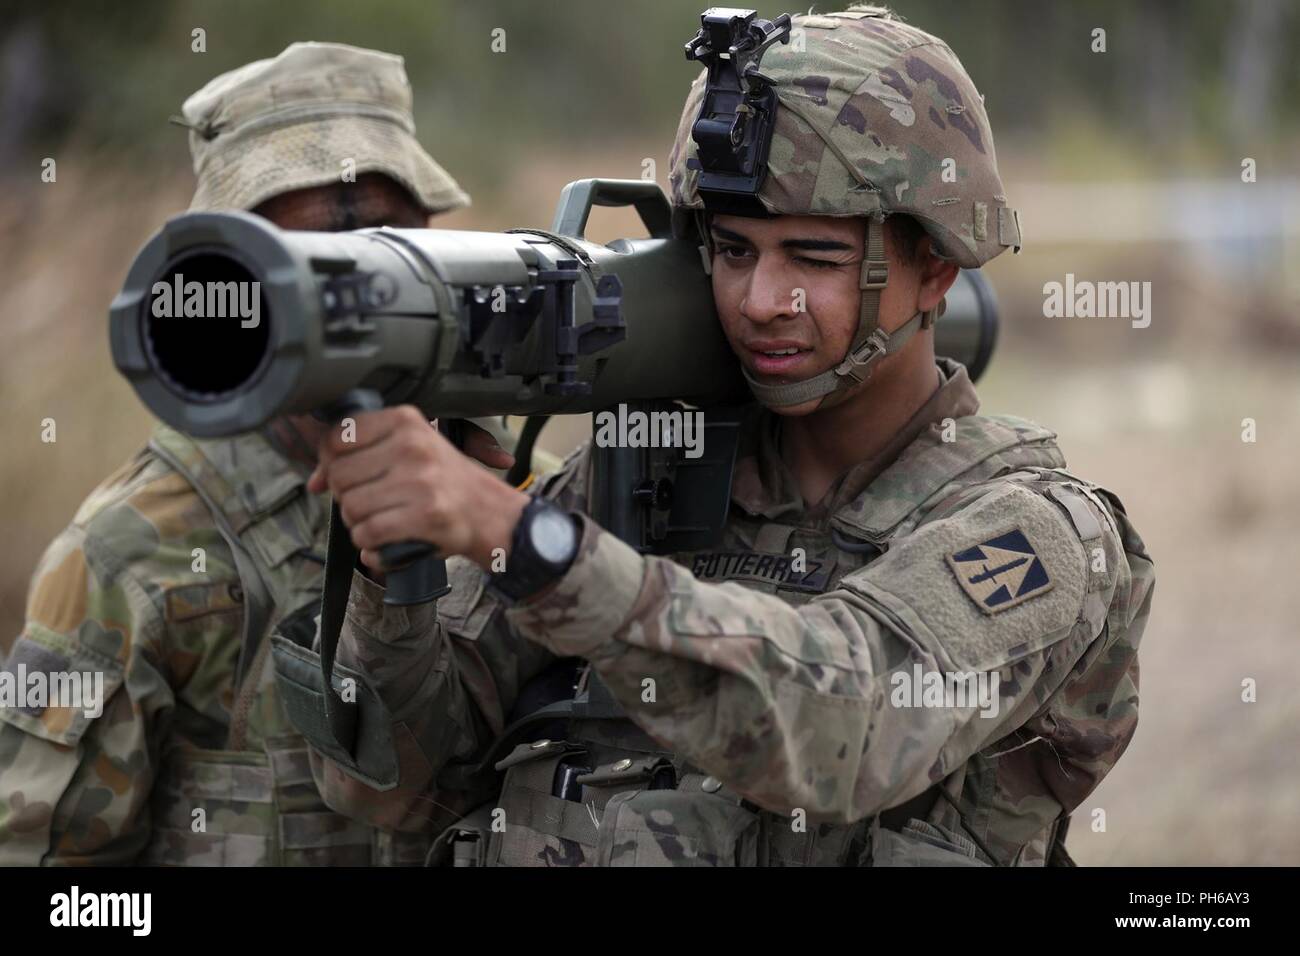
<point x="173" y="572"/>
<point x="291" y="122"/>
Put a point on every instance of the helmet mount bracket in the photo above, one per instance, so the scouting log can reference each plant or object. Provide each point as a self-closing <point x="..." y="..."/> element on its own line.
<point x="733" y="131"/>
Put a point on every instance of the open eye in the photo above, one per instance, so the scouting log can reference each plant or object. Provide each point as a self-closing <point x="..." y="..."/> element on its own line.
<point x="733" y="253"/>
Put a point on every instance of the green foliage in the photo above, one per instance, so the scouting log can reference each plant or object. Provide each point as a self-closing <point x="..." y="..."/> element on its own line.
<point x="585" y="72"/>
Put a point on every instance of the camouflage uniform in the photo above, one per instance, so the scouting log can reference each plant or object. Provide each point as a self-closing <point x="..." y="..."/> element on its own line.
<point x="772" y="683"/>
<point x="193" y="759"/>
<point x="747" y="707"/>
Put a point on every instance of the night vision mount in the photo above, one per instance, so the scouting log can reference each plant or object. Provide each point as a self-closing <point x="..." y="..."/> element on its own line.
<point x="734" y="129"/>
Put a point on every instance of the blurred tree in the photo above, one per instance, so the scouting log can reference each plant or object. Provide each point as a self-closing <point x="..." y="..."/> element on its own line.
<point x="585" y="72"/>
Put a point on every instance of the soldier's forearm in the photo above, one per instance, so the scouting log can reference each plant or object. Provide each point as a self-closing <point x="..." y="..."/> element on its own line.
<point x="794" y="706"/>
<point x="776" y="701"/>
<point x="405" y="654"/>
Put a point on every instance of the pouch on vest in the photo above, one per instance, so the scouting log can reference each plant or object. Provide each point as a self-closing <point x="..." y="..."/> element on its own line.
<point x="540" y="828"/>
<point x="920" y="843"/>
<point x="302" y="688"/>
<point x="465" y="842"/>
<point x="233" y="808"/>
<point x="676" y="828"/>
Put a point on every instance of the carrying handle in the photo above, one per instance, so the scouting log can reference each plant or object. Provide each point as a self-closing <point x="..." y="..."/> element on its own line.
<point x="578" y="197"/>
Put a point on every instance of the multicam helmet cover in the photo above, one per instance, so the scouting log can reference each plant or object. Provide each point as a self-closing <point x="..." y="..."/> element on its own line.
<point x="875" y="118"/>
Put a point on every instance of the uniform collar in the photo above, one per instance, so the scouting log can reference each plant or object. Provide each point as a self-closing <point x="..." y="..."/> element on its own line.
<point x="763" y="485"/>
<point x="247" y="475"/>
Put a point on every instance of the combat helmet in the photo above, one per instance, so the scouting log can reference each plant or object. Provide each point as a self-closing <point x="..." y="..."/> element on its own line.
<point x="853" y="113"/>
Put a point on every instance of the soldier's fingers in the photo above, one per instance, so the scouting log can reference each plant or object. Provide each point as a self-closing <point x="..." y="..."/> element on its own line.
<point x="369" y="464"/>
<point x="367" y="428"/>
<point x="368" y="499"/>
<point x="353" y="435"/>
<point x="317" y="483"/>
<point x="375" y="567"/>
<point x="482" y="447"/>
<point x="389" y="526"/>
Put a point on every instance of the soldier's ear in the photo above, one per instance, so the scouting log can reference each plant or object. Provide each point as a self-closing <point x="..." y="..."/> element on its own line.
<point x="937" y="275"/>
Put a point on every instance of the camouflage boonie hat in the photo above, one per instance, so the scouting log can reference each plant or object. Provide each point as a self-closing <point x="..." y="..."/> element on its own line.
<point x="288" y="123"/>
<point x="870" y="112"/>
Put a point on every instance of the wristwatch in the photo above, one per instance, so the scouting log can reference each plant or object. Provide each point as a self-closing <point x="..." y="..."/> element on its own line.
<point x="544" y="544"/>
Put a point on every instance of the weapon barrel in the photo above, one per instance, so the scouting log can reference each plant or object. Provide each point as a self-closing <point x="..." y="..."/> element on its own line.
<point x="225" y="321"/>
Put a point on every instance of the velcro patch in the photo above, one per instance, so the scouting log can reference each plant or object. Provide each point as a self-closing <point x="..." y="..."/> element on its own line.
<point x="1000" y="572"/>
<point x="192" y="601"/>
<point x="29" y="657"/>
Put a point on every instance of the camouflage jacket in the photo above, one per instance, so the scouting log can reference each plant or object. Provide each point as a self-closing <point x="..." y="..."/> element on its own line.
<point x="773" y="683"/>
<point x="186" y="763"/>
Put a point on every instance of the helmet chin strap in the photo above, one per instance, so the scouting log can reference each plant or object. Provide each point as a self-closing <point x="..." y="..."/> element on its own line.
<point x="869" y="345"/>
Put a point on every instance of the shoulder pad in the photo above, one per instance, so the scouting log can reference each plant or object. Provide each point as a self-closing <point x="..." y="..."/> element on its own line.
<point x="245" y="481"/>
<point x="977" y="448"/>
<point x="132" y="541"/>
<point x="120" y="485"/>
<point x="244" y="475"/>
<point x="1000" y="579"/>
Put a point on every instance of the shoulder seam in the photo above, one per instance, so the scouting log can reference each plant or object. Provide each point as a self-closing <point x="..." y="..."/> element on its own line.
<point x="119" y="493"/>
<point x="157" y="624"/>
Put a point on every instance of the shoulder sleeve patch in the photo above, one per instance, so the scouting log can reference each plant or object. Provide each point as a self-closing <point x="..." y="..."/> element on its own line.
<point x="1001" y="571"/>
<point x="1001" y="578"/>
<point x="54" y="687"/>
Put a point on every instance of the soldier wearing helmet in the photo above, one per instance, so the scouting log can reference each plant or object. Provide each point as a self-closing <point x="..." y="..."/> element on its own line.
<point x="916" y="642"/>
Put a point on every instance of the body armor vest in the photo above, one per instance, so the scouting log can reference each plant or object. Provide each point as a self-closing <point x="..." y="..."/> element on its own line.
<point x="584" y="786"/>
<point x="254" y="802"/>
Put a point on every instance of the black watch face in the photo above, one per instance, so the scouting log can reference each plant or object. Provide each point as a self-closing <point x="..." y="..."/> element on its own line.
<point x="553" y="536"/>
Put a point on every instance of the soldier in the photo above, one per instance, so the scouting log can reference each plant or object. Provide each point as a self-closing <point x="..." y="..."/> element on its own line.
<point x="805" y="693"/>
<point x="173" y="570"/>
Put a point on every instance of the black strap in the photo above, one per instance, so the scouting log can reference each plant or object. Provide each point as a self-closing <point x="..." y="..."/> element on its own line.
<point x="570" y="245"/>
<point x="340" y="560"/>
<point x="896" y="817"/>
<point x="523" y="465"/>
<point x="599" y="701"/>
<point x="1057" y="855"/>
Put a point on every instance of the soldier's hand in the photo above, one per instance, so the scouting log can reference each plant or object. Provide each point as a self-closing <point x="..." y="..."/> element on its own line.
<point x="482" y="447"/>
<point x="395" y="478"/>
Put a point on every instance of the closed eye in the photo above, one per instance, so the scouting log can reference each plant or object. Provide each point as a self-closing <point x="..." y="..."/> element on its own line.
<point x="735" y="253"/>
<point x="818" y="263"/>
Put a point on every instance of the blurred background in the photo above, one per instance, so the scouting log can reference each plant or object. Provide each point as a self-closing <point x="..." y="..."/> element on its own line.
<point x="1127" y="165"/>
